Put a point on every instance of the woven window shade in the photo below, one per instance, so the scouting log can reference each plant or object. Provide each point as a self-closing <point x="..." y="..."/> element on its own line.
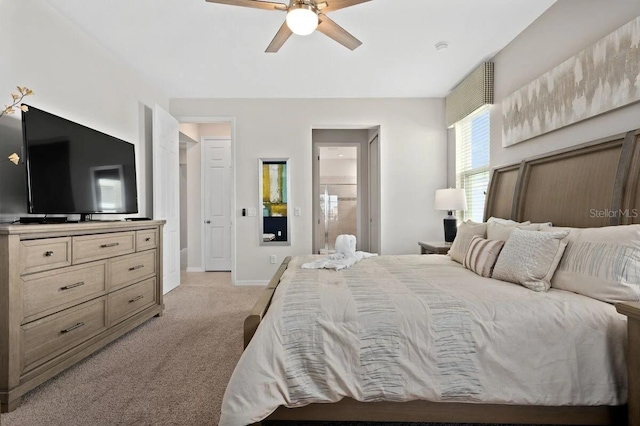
<point x="473" y="92"/>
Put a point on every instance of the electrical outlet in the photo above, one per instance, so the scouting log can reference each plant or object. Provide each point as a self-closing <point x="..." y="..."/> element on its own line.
<point x="251" y="211"/>
<point x="297" y="211"/>
<point x="273" y="258"/>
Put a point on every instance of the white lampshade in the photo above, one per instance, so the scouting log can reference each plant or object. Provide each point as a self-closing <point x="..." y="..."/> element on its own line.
<point x="450" y="199"/>
<point x="302" y="20"/>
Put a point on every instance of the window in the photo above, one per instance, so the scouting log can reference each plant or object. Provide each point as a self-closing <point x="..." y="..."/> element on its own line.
<point x="472" y="161"/>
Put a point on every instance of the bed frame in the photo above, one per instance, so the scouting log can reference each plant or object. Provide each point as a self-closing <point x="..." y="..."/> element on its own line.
<point x="589" y="185"/>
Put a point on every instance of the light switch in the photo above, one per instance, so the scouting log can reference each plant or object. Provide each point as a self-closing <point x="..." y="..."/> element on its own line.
<point x="297" y="211"/>
<point x="252" y="211"/>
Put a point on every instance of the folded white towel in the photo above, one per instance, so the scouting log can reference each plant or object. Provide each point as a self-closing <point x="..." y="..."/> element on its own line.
<point x="345" y="256"/>
<point x="346" y="244"/>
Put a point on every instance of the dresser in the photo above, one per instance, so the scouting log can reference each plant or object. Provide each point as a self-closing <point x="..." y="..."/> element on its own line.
<point x="66" y="290"/>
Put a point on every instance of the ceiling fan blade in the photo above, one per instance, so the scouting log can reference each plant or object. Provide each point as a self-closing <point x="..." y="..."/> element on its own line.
<point x="256" y="4"/>
<point x="339" y="4"/>
<point x="281" y="37"/>
<point x="336" y="32"/>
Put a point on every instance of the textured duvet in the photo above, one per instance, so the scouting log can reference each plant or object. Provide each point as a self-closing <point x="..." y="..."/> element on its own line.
<point x="400" y="328"/>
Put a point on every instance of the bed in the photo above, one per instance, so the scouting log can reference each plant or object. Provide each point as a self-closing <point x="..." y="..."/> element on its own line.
<point x="587" y="375"/>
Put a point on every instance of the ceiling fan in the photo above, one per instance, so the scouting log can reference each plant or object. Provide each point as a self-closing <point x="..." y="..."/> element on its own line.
<point x="303" y="18"/>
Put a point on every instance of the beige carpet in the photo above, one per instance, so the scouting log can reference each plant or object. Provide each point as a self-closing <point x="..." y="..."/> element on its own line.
<point x="170" y="371"/>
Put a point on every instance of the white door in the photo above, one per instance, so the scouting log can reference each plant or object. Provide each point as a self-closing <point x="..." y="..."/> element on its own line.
<point x="166" y="192"/>
<point x="216" y="167"/>
<point x="374" y="196"/>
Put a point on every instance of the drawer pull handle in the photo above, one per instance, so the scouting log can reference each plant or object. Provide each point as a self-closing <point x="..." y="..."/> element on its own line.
<point x="133" y="268"/>
<point x="70" y="286"/>
<point x="109" y="245"/>
<point x="73" y="327"/>
<point x="135" y="299"/>
<point x="148" y="239"/>
<point x="48" y="253"/>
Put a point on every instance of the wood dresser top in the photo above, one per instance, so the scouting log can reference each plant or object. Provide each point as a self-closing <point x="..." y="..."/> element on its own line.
<point x="32" y="230"/>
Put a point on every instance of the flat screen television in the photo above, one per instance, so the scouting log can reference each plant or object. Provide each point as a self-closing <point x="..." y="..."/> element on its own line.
<point x="73" y="169"/>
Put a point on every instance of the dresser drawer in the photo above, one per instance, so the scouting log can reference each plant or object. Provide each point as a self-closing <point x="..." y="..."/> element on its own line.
<point x="147" y="239"/>
<point x="130" y="300"/>
<point x="128" y="269"/>
<point x="50" y="336"/>
<point x="87" y="248"/>
<point x="49" y="292"/>
<point x="43" y="255"/>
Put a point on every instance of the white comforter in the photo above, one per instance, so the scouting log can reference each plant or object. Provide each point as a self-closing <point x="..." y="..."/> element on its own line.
<point x="401" y="328"/>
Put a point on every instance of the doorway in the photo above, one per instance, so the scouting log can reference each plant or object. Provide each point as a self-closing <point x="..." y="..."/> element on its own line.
<point x="342" y="198"/>
<point x="338" y="195"/>
<point x="184" y="237"/>
<point x="210" y="200"/>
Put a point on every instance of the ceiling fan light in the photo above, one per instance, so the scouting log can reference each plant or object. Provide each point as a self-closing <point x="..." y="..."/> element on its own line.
<point x="302" y="20"/>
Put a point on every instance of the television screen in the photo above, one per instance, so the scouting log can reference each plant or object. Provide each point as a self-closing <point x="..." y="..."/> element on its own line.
<point x="74" y="169"/>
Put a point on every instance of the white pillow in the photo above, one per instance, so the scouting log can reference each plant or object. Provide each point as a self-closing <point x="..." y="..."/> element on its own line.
<point x="501" y="231"/>
<point x="541" y="224"/>
<point x="500" y="220"/>
<point x="466" y="232"/>
<point x="602" y="263"/>
<point x="530" y="258"/>
<point x="547" y="227"/>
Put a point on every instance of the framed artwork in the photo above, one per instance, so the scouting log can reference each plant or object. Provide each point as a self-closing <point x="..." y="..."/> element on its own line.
<point x="274" y="201"/>
<point x="601" y="78"/>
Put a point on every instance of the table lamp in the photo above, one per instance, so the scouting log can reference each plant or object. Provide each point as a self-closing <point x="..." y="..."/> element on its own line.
<point x="450" y="199"/>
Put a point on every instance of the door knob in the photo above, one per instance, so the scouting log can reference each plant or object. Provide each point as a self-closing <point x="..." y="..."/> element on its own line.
<point x="207" y="221"/>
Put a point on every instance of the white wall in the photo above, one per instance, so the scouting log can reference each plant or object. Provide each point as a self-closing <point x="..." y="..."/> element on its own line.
<point x="340" y="168"/>
<point x="191" y="129"/>
<point x="75" y="77"/>
<point x="413" y="165"/>
<point x="568" y="27"/>
<point x="216" y="130"/>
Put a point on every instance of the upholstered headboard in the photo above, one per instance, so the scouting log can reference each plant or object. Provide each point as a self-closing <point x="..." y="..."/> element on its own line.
<point x="589" y="185"/>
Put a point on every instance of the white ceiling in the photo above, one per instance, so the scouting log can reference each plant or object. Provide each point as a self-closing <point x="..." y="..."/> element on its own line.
<point x="191" y="48"/>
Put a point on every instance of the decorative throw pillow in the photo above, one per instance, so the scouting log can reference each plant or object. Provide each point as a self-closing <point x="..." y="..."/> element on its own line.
<point x="502" y="221"/>
<point x="466" y="232"/>
<point x="530" y="258"/>
<point x="502" y="231"/>
<point x="482" y="255"/>
<point x="602" y="263"/>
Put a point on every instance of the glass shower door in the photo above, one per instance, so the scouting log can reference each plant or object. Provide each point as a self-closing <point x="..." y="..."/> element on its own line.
<point x="338" y="213"/>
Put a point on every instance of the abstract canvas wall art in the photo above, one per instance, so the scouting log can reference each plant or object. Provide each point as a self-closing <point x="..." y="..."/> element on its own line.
<point x="274" y="186"/>
<point x="274" y="189"/>
<point x="601" y="78"/>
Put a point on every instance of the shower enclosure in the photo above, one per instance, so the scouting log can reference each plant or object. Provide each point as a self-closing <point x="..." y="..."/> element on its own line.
<point x="338" y="213"/>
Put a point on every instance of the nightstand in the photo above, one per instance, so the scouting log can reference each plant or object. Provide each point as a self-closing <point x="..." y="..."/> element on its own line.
<point x="434" y="247"/>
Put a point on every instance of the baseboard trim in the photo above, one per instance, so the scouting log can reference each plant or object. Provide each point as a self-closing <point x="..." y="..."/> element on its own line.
<point x="241" y="283"/>
<point x="195" y="269"/>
